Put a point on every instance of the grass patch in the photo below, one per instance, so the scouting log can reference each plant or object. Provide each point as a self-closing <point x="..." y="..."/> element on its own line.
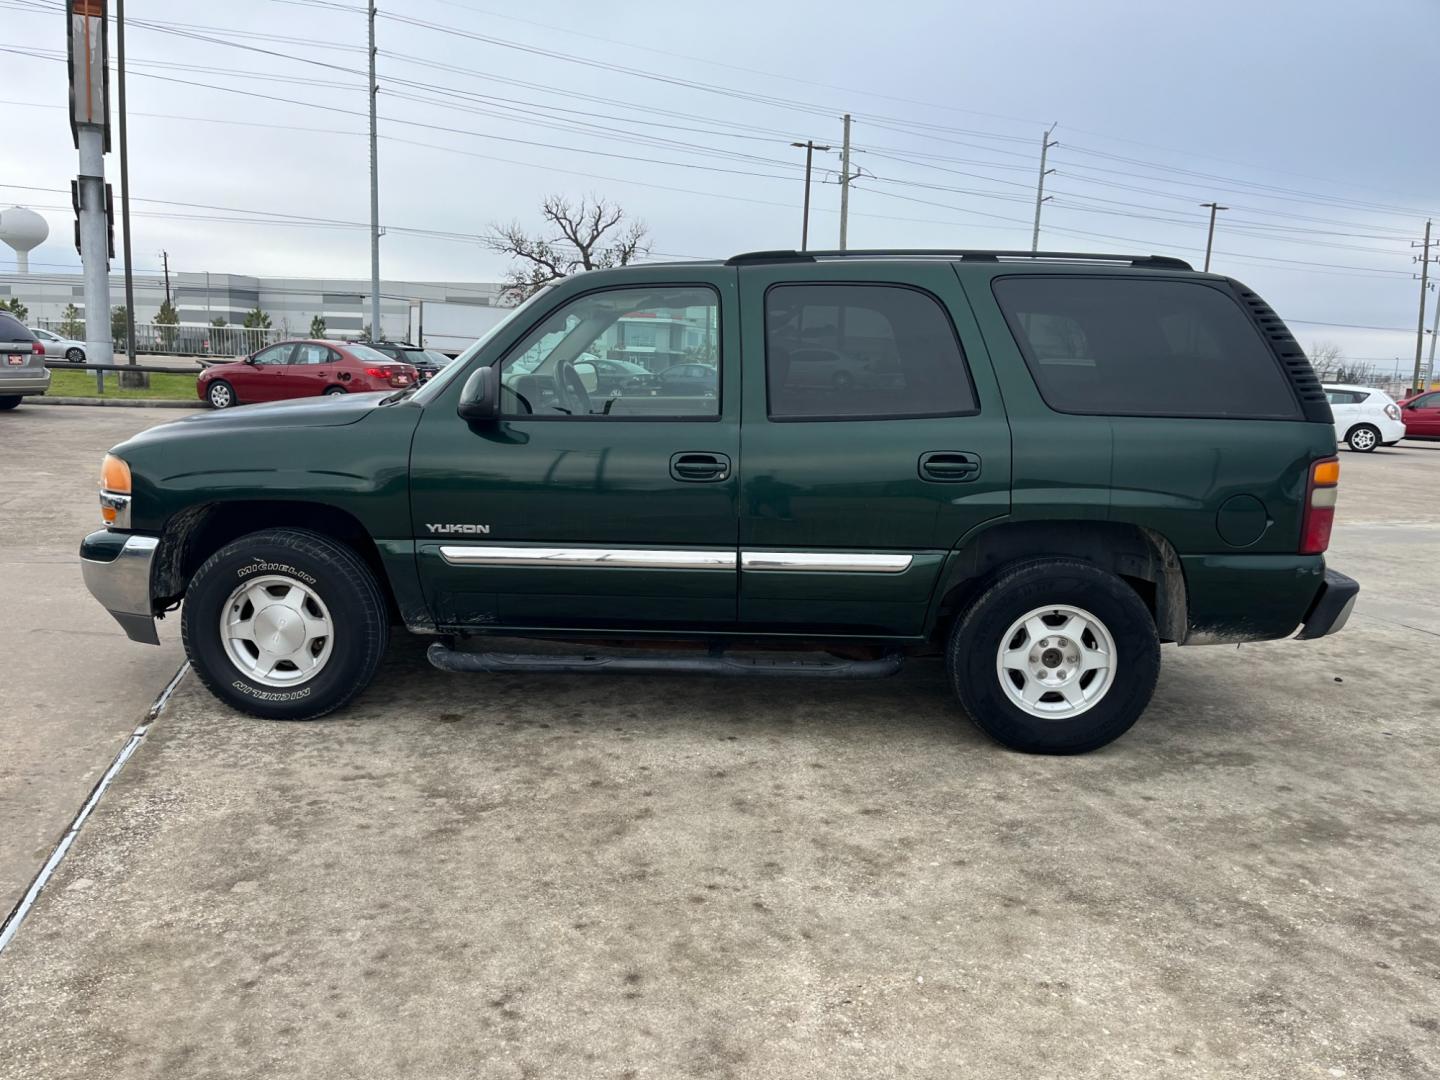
<point x="166" y="387"/>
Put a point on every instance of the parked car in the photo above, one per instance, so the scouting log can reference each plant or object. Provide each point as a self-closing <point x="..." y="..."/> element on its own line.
<point x="1072" y="460"/>
<point x="58" y="346"/>
<point x="698" y="380"/>
<point x="1421" y="415"/>
<point x="22" y="363"/>
<point x="607" y="377"/>
<point x="1364" y="417"/>
<point x="427" y="362"/>
<point x="296" y="369"/>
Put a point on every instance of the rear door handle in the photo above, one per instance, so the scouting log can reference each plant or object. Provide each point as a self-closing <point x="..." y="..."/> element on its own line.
<point x="949" y="466"/>
<point x="699" y="467"/>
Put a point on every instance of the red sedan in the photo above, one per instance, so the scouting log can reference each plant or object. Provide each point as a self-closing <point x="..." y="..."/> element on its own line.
<point x="1421" y="414"/>
<point x="294" y="369"/>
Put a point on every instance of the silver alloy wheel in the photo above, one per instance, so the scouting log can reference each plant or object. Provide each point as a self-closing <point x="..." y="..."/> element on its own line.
<point x="220" y="396"/>
<point x="75" y="356"/>
<point x="276" y="631"/>
<point x="1362" y="438"/>
<point x="1056" y="662"/>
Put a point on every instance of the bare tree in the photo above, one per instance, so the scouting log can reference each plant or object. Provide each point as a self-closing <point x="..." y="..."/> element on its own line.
<point x="1325" y="357"/>
<point x="588" y="236"/>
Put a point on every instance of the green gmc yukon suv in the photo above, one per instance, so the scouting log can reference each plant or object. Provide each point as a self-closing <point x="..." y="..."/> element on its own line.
<point x="1040" y="465"/>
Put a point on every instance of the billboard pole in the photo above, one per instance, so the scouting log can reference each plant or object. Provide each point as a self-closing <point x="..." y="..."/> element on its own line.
<point x="86" y="29"/>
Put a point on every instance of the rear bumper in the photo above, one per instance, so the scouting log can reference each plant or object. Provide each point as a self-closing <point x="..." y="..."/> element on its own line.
<point x="116" y="567"/>
<point x="1331" y="609"/>
<point x="26" y="384"/>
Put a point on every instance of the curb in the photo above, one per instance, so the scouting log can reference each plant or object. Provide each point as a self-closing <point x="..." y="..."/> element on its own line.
<point x="118" y="403"/>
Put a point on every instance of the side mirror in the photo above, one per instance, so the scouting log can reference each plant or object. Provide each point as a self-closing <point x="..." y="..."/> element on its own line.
<point x="480" y="396"/>
<point x="250" y="359"/>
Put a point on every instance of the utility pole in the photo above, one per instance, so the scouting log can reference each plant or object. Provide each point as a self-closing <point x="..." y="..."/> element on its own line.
<point x="1434" y="332"/>
<point x="1210" y="236"/>
<point x="165" y="258"/>
<point x="1040" y="197"/>
<point x="810" y="148"/>
<point x="376" y="334"/>
<point x="131" y="378"/>
<point x="845" y="185"/>
<point x="1424" y="284"/>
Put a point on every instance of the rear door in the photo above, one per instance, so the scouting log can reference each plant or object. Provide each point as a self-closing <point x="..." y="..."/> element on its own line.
<point x="311" y="369"/>
<point x="874" y="438"/>
<point x="580" y="509"/>
<point x="1345" y="405"/>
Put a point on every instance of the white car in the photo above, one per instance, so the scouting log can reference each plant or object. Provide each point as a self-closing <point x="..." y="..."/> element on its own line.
<point x="1364" y="417"/>
<point x="55" y="345"/>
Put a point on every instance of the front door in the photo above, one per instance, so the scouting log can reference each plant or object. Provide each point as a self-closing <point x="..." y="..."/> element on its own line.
<point x="265" y="379"/>
<point x="584" y="507"/>
<point x="1422" y="416"/>
<point x="874" y="437"/>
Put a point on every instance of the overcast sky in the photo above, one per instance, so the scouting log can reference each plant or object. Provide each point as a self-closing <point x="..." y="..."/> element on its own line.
<point x="1315" y="120"/>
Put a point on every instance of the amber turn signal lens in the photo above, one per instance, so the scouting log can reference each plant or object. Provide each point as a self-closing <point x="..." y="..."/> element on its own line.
<point x="1325" y="473"/>
<point x="115" y="475"/>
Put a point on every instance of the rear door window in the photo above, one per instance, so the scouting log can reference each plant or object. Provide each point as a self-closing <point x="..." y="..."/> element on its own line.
<point x="1131" y="347"/>
<point x="861" y="352"/>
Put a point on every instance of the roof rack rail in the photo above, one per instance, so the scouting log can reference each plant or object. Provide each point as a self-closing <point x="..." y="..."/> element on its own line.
<point x="1148" y="262"/>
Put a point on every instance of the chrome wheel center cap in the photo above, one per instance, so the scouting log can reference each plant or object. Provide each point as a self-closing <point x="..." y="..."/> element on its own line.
<point x="280" y="628"/>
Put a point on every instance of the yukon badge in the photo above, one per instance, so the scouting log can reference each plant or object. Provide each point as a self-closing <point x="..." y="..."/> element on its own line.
<point x="452" y="530"/>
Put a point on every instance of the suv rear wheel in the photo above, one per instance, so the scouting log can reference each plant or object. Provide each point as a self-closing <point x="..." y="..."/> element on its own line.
<point x="8" y="403"/>
<point x="1056" y="657"/>
<point x="284" y="624"/>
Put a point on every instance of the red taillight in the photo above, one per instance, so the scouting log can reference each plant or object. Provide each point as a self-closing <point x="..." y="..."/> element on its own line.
<point x="378" y="372"/>
<point x="39" y="348"/>
<point x="1320" y="491"/>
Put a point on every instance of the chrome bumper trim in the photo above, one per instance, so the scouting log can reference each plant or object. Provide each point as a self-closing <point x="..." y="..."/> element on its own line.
<point x="631" y="558"/>
<point x="122" y="585"/>
<point x="839" y="562"/>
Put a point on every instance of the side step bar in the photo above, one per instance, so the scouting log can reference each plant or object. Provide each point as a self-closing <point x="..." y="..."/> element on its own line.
<point x="672" y="663"/>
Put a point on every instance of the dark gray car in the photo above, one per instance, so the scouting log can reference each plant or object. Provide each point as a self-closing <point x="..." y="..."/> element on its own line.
<point x="22" y="363"/>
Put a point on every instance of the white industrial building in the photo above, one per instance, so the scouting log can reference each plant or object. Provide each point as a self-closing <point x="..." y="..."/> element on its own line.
<point x="291" y="303"/>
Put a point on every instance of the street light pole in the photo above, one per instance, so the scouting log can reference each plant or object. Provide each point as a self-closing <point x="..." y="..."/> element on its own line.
<point x="1210" y="236"/>
<point x="376" y="334"/>
<point x="810" y="149"/>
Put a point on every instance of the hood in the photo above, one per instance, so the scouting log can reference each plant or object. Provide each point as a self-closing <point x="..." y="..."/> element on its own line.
<point x="340" y="410"/>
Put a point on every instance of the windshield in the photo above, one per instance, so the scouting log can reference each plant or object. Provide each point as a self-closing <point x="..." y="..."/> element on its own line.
<point x="436" y="385"/>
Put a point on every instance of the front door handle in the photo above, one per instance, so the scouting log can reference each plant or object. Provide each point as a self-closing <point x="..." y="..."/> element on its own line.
<point x="699" y="467"/>
<point x="949" y="466"/>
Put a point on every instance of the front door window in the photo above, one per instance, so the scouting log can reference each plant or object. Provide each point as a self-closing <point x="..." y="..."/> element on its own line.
<point x="610" y="354"/>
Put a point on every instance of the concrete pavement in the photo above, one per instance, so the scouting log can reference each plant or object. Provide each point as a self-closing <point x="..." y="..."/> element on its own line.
<point x="74" y="685"/>
<point x="651" y="877"/>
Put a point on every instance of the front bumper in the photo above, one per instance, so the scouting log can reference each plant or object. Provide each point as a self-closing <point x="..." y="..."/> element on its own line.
<point x="1331" y="609"/>
<point x="117" y="573"/>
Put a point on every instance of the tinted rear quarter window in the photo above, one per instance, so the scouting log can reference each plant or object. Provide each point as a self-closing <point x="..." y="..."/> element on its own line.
<point x="1131" y="347"/>
<point x="866" y="352"/>
<point x="12" y="329"/>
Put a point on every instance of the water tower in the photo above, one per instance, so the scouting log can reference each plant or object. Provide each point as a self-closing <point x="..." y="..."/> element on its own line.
<point x="22" y="229"/>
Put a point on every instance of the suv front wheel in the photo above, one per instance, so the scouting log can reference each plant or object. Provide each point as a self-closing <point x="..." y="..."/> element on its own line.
<point x="284" y="624"/>
<point x="1055" y="657"/>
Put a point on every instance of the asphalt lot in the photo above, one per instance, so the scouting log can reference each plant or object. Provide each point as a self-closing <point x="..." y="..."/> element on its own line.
<point x="652" y="877"/>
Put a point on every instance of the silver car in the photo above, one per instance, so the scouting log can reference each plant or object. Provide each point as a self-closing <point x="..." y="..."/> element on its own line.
<point x="22" y="363"/>
<point x="57" y="345"/>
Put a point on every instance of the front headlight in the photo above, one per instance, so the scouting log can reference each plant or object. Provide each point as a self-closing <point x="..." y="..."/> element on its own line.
<point x="115" y="492"/>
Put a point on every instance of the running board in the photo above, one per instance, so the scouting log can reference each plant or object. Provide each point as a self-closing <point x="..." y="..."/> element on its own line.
<point x="662" y="663"/>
